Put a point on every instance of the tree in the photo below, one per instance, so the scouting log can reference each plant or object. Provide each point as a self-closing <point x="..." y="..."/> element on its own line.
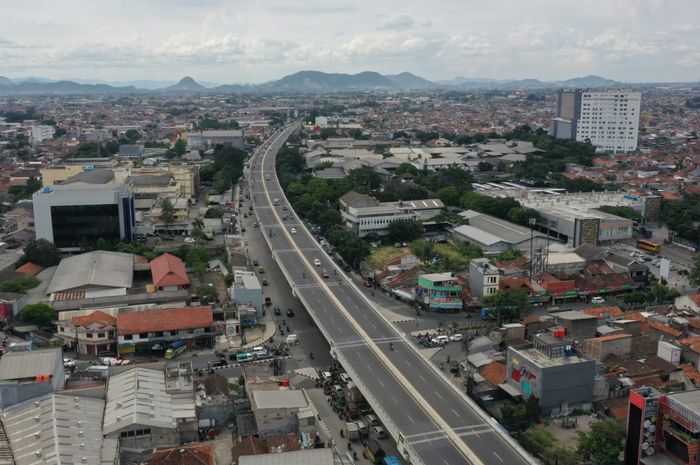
<point x="508" y="305"/>
<point x="405" y="230"/>
<point x="19" y="284"/>
<point x="406" y="168"/>
<point x="133" y="135"/>
<point x="180" y="148"/>
<point x="39" y="314"/>
<point x="485" y="166"/>
<point x="207" y="294"/>
<point x="661" y="293"/>
<point x="41" y="252"/>
<point x="449" y="196"/>
<point x="365" y="179"/>
<point x="518" y="417"/>
<point x="510" y="254"/>
<point x="167" y="215"/>
<point x="694" y="278"/>
<point x="603" y="443"/>
<point x="213" y="213"/>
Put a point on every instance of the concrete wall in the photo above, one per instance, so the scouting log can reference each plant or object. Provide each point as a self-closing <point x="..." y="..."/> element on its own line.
<point x="273" y="422"/>
<point x="599" y="348"/>
<point x="566" y="387"/>
<point x="15" y="393"/>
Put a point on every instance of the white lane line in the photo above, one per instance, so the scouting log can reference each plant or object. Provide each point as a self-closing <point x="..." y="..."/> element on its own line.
<point x="453" y="410"/>
<point x="395" y="401"/>
<point x="497" y="456"/>
<point x="380" y="382"/>
<point x="374" y="326"/>
<point x="438" y="394"/>
<point x="423" y="379"/>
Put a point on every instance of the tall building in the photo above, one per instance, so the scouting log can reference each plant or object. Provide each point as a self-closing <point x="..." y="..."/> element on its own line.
<point x="42" y="133"/>
<point x="609" y="119"/>
<point x="71" y="214"/>
<point x="663" y="428"/>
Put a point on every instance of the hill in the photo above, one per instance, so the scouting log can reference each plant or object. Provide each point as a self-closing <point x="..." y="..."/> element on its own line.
<point x="591" y="81"/>
<point x="410" y="81"/>
<point x="186" y="84"/>
<point x="315" y="81"/>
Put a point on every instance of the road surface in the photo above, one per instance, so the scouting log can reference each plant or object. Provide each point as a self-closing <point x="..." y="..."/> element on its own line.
<point x="431" y="420"/>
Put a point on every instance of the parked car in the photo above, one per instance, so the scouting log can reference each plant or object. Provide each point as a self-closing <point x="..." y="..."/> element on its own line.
<point x="597" y="300"/>
<point x="440" y="340"/>
<point x="190" y="240"/>
<point x="456" y="337"/>
<point x="68" y="363"/>
<point x="379" y="432"/>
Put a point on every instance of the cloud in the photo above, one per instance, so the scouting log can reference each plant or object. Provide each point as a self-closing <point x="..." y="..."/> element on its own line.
<point x="400" y="23"/>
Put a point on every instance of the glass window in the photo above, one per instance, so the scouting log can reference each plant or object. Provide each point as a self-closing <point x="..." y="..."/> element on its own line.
<point x="75" y="223"/>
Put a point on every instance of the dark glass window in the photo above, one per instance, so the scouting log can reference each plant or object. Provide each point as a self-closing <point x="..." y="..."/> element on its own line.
<point x="74" y="224"/>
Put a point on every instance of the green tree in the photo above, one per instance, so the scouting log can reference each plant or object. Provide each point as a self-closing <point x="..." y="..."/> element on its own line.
<point x="694" y="278"/>
<point x="41" y="252"/>
<point x="510" y="254"/>
<point x="406" y="168"/>
<point x="19" y="284"/>
<point x="365" y="179"/>
<point x="133" y="135"/>
<point x="449" y="196"/>
<point x="180" y="148"/>
<point x="405" y="230"/>
<point x="167" y="215"/>
<point x="661" y="293"/>
<point x="485" y="166"/>
<point x="518" y="417"/>
<point x="207" y="294"/>
<point x="213" y="213"/>
<point x="603" y="443"/>
<point x="39" y="314"/>
<point x="508" y="305"/>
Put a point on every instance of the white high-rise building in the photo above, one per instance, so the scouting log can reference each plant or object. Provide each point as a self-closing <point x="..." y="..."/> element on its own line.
<point x="42" y="133"/>
<point x="609" y="119"/>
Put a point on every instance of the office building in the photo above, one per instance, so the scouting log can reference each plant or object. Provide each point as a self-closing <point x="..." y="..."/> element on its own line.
<point x="42" y="133"/>
<point x="553" y="371"/>
<point x="73" y="214"/>
<point x="365" y="215"/>
<point x="663" y="428"/>
<point x="205" y="140"/>
<point x="439" y="292"/>
<point x="608" y="119"/>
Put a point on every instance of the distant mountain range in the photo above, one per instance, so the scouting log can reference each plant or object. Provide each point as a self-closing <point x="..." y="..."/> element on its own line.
<point x="302" y="81"/>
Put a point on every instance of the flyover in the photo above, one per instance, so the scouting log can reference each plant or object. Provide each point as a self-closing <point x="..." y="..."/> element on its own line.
<point x="431" y="421"/>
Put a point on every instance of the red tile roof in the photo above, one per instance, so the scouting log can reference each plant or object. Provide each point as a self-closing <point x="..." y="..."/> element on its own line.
<point x="666" y="329"/>
<point x="494" y="373"/>
<point x="186" y="454"/>
<point x="96" y="316"/>
<point x="30" y="269"/>
<point x="168" y="270"/>
<point x="691" y="373"/>
<point x="604" y="312"/>
<point x="692" y="343"/>
<point x="167" y="319"/>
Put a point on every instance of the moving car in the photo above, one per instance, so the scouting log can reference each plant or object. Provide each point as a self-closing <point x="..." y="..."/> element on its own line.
<point x="290" y="312"/>
<point x="325" y="274"/>
<point x="317" y="262"/>
<point x="190" y="240"/>
<point x="294" y="230"/>
<point x="261" y="269"/>
<point x="264" y="282"/>
<point x="456" y="337"/>
<point x="255" y="262"/>
<point x="277" y="310"/>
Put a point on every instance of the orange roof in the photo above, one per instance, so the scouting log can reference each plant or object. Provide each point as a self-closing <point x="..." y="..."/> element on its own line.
<point x="531" y="319"/>
<point x="691" y="373"/>
<point x="600" y="312"/>
<point x="96" y="316"/>
<point x="187" y="454"/>
<point x="692" y="343"/>
<point x="668" y="195"/>
<point x="167" y="319"/>
<point x="494" y="373"/>
<point x="666" y="329"/>
<point x="30" y="269"/>
<point x="168" y="270"/>
<point x="612" y="337"/>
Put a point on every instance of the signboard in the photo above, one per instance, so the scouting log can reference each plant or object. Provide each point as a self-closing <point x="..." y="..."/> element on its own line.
<point x="665" y="268"/>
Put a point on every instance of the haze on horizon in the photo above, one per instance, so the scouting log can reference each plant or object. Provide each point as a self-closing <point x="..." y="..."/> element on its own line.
<point x="238" y="42"/>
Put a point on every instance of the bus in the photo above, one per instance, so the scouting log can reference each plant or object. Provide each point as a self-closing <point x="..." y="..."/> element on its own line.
<point x="648" y="246"/>
<point x="175" y="349"/>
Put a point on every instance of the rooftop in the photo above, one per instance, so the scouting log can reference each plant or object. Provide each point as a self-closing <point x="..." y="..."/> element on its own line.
<point x="283" y="398"/>
<point x="168" y="270"/>
<point x="25" y="365"/>
<point x="186" y="454"/>
<point x="164" y="319"/>
<point x="301" y="457"/>
<point x="575" y="315"/>
<point x="93" y="269"/>
<point x="545" y="361"/>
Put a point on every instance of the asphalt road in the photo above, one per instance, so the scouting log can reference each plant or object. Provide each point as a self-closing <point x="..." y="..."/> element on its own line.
<point x="438" y="422"/>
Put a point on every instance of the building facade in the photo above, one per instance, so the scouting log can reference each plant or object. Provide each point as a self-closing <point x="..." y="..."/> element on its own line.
<point x="204" y="140"/>
<point x="439" y="292"/>
<point x="483" y="277"/>
<point x="42" y="133"/>
<point x="365" y="215"/>
<point x="247" y="291"/>
<point x="608" y="119"/>
<point x="92" y="334"/>
<point x="72" y="214"/>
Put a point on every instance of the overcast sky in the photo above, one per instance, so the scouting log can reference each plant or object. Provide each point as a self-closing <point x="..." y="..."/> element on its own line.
<point x="238" y="41"/>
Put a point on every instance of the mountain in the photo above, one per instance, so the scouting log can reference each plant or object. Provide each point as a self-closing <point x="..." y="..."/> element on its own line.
<point x="591" y="81"/>
<point x="410" y="81"/>
<point x="65" y="87"/>
<point x="461" y="80"/>
<point x="186" y="84"/>
<point x="314" y="81"/>
<point x="5" y="81"/>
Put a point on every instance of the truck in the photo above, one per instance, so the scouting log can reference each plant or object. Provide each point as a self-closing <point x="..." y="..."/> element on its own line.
<point x="175" y="348"/>
<point x="352" y="431"/>
<point x="374" y="452"/>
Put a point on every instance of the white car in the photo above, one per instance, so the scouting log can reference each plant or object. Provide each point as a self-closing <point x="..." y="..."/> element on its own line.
<point x="317" y="262"/>
<point x="294" y="230"/>
<point x="440" y="340"/>
<point x="456" y="337"/>
<point x="68" y="363"/>
<point x="597" y="300"/>
<point x="190" y="240"/>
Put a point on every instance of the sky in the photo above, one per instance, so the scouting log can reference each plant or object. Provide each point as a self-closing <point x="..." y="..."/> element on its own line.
<point x="252" y="41"/>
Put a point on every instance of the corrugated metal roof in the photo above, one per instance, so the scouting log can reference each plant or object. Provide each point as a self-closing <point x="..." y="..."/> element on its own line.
<point x="99" y="268"/>
<point x="299" y="457"/>
<point x="21" y="365"/>
<point x="137" y="396"/>
<point x="57" y="429"/>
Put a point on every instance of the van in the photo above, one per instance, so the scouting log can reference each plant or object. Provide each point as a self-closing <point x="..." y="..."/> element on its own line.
<point x="292" y="339"/>
<point x="259" y="352"/>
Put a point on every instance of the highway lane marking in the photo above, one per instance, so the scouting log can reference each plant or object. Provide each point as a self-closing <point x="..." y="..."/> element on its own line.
<point x="439" y="395"/>
<point x="455" y="412"/>
<point x="418" y="398"/>
<point x="422" y="379"/>
<point x="497" y="456"/>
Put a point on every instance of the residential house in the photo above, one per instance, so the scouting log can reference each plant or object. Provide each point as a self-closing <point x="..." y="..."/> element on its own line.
<point x="169" y="273"/>
<point x="278" y="411"/>
<point x="246" y="290"/>
<point x="94" y="333"/>
<point x="483" y="277"/>
<point x="439" y="292"/>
